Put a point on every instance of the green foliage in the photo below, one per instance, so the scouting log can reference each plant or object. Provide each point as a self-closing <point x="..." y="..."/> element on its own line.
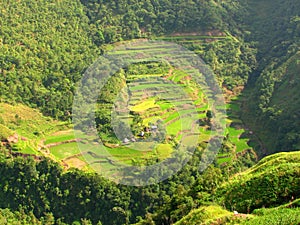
<point x="5" y="132"/>
<point x="206" y="215"/>
<point x="44" y="50"/>
<point x="274" y="105"/>
<point x="8" y="217"/>
<point x="47" y="45"/>
<point x="231" y="60"/>
<point x="273" y="88"/>
<point x="42" y="187"/>
<point x="274" y="27"/>
<point x="271" y="182"/>
<point x="115" y="20"/>
<point x="275" y="217"/>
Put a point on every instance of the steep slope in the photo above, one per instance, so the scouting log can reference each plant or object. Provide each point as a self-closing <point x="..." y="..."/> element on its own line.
<point x="45" y="48"/>
<point x="271" y="103"/>
<point x="22" y="128"/>
<point x="272" y="107"/>
<point x="273" y="181"/>
<point x="216" y="215"/>
<point x="47" y="45"/>
<point x="274" y="26"/>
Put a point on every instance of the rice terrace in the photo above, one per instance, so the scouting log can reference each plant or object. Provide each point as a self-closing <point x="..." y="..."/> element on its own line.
<point x="157" y="107"/>
<point x="155" y="112"/>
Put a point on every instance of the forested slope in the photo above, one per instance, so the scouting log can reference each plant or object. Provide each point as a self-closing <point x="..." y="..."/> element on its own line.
<point x="45" y="47"/>
<point x="274" y="109"/>
<point x="273" y="181"/>
<point x="272" y="95"/>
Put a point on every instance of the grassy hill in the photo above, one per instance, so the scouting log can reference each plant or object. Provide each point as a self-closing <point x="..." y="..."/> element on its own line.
<point x="272" y="182"/>
<point x="217" y="215"/>
<point x="28" y="127"/>
<point x="47" y="45"/>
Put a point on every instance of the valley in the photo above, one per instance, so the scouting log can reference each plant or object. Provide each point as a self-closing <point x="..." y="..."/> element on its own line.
<point x="149" y="112"/>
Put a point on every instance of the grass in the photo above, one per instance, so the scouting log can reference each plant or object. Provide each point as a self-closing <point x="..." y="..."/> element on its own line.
<point x="233" y="132"/>
<point x="26" y="147"/>
<point x="145" y="105"/>
<point x="133" y="77"/>
<point x="59" y="138"/>
<point x="5" y="132"/>
<point x="164" y="105"/>
<point x="177" y="76"/>
<point x="190" y="37"/>
<point x="76" y="162"/>
<point x="174" y="128"/>
<point x="152" y="119"/>
<point x="275" y="175"/>
<point x="125" y="154"/>
<point x="150" y="109"/>
<point x="27" y="122"/>
<point x="241" y="144"/>
<point x="135" y="51"/>
<point x="150" y="85"/>
<point x="184" y="123"/>
<point x="65" y="150"/>
<point x="206" y="215"/>
<point x="163" y="150"/>
<point x="124" y="151"/>
<point x="172" y="116"/>
<point x="234" y="136"/>
<point x="224" y="160"/>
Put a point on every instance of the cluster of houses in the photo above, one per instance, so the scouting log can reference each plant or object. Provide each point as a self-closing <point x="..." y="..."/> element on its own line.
<point x="152" y="128"/>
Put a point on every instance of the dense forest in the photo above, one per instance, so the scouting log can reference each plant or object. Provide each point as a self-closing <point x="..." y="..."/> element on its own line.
<point x="40" y="66"/>
<point x="252" y="47"/>
<point x="274" y="87"/>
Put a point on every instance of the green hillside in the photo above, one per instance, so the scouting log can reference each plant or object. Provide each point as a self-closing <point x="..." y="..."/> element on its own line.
<point x="274" y="26"/>
<point x="274" y="181"/>
<point x="272" y="93"/>
<point x="216" y="215"/>
<point x="23" y="128"/>
<point x="273" y="112"/>
<point x="271" y="182"/>
<point x="51" y="175"/>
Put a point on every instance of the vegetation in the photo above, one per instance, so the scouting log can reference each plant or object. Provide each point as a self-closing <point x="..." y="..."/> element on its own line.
<point x="275" y="216"/>
<point x="276" y="96"/>
<point x="273" y="90"/>
<point x="273" y="181"/>
<point x="47" y="172"/>
<point x="206" y="215"/>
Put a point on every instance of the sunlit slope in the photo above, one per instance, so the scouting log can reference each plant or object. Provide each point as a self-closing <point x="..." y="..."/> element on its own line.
<point x="275" y="180"/>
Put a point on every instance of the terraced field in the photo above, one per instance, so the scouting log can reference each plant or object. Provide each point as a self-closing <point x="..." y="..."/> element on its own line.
<point x="192" y="40"/>
<point x="169" y="104"/>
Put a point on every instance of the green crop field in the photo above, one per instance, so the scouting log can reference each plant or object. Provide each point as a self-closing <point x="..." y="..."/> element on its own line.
<point x="155" y="96"/>
<point x="26" y="147"/>
<point x="59" y="138"/>
<point x="143" y="106"/>
<point x="27" y="122"/>
<point x="65" y="150"/>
